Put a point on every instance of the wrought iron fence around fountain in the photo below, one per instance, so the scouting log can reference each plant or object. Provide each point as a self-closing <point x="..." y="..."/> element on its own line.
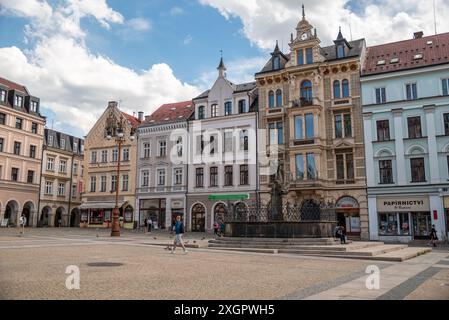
<point x="307" y="212"/>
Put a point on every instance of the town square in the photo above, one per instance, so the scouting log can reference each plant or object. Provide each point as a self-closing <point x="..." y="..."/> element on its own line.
<point x="284" y="152"/>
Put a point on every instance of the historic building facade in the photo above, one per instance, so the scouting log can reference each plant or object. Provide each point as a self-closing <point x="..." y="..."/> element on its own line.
<point x="162" y="164"/>
<point x="406" y="121"/>
<point x="61" y="181"/>
<point x="222" y="167"/>
<point x="21" y="139"/>
<point x="100" y="172"/>
<point x="310" y="106"/>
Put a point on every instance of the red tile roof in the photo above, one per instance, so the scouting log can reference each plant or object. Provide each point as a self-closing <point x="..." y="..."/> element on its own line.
<point x="434" y="50"/>
<point x="13" y="86"/>
<point x="133" y="120"/>
<point x="171" y="112"/>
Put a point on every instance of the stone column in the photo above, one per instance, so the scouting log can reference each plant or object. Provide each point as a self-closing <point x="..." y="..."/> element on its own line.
<point x="399" y="146"/>
<point x="432" y="144"/>
<point x="369" y="156"/>
<point x="373" y="220"/>
<point x="168" y="213"/>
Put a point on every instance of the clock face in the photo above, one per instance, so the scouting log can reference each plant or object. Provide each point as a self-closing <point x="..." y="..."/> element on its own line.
<point x="304" y="36"/>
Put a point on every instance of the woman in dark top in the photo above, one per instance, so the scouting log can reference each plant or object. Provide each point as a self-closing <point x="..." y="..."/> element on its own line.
<point x="433" y="236"/>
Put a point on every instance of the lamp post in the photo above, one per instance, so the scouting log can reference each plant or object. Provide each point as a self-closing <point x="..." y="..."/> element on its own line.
<point x="115" y="128"/>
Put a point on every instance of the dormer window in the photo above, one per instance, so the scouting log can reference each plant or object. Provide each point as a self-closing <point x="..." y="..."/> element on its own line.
<point x="394" y="60"/>
<point x="228" y="108"/>
<point x="50" y="141"/>
<point x="75" y="146"/>
<point x="276" y="63"/>
<point x="309" y="55"/>
<point x="2" y="95"/>
<point x="300" y="57"/>
<point x="33" y="106"/>
<point x="201" y="112"/>
<point x="381" y="62"/>
<point x="213" y="110"/>
<point x="62" y="143"/>
<point x="340" y="51"/>
<point x="418" y="56"/>
<point x="18" y="100"/>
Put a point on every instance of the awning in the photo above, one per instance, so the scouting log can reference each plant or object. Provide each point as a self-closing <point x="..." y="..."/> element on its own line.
<point x="101" y="205"/>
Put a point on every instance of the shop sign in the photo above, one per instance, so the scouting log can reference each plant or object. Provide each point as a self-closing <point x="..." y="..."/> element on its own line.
<point x="403" y="204"/>
<point x="347" y="203"/>
<point x="176" y="204"/>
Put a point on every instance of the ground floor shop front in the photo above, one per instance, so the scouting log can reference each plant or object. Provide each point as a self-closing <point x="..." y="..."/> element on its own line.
<point x="57" y="214"/>
<point x="405" y="217"/>
<point x="98" y="214"/>
<point x="162" y="210"/>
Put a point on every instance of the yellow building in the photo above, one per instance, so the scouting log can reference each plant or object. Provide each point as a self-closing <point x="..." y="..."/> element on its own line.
<point x="21" y="137"/>
<point x="310" y="106"/>
<point x="100" y="173"/>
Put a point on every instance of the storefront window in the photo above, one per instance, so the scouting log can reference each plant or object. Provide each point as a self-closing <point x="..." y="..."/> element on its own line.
<point x="388" y="224"/>
<point x="404" y="223"/>
<point x="96" y="217"/>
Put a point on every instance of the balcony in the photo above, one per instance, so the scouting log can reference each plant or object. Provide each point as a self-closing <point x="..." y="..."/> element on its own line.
<point x="302" y="102"/>
<point x="161" y="189"/>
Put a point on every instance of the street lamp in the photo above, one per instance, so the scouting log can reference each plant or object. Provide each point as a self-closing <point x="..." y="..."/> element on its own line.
<point x="115" y="129"/>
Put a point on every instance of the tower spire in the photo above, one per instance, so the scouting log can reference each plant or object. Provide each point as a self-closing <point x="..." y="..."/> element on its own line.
<point x="221" y="67"/>
<point x="303" y="12"/>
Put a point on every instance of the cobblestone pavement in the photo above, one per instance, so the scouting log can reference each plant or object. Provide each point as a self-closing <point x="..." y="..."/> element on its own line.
<point x="33" y="265"/>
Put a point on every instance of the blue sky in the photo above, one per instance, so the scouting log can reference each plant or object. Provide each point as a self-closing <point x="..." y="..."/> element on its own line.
<point x="78" y="54"/>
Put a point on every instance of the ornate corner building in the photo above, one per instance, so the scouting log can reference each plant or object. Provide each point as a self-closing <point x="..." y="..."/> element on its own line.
<point x="310" y="106"/>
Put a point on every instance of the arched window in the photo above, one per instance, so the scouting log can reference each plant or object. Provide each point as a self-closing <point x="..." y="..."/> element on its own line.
<point x="213" y="110"/>
<point x="201" y="112"/>
<point x="278" y="98"/>
<point x="345" y="84"/>
<point x="198" y="218"/>
<point x="271" y="99"/>
<point x="306" y="91"/>
<point x="337" y="89"/>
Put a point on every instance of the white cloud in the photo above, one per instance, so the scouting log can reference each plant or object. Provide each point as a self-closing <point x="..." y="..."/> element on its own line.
<point x="265" y="21"/>
<point x="176" y="11"/>
<point x="75" y="83"/>
<point x="188" y="39"/>
<point x="139" y="24"/>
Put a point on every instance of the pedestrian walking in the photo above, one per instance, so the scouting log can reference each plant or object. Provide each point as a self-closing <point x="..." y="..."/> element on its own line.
<point x="342" y="234"/>
<point x="179" y="231"/>
<point x="150" y="224"/>
<point x="433" y="236"/>
<point x="22" y="221"/>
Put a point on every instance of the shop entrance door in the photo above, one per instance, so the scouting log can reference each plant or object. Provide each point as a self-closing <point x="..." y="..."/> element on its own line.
<point x="422" y="225"/>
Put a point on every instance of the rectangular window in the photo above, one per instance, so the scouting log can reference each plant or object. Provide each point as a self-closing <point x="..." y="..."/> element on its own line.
<point x="309" y="55"/>
<point x="179" y="146"/>
<point x="17" y="148"/>
<point x="214" y="110"/>
<point x="125" y="154"/>
<point x="348" y="126"/>
<point x="30" y="176"/>
<point x="300" y="55"/>
<point x="33" y="127"/>
<point x="18" y="101"/>
<point x="93" y="184"/>
<point x="299" y="164"/>
<point x="2" y="118"/>
<point x="311" y="169"/>
<point x="161" y="177"/>
<point x="33" y="106"/>
<point x="228" y="141"/>
<point x="445" y="83"/>
<point x="50" y="141"/>
<point x="114" y="155"/>
<point x="62" y="144"/>
<point x="62" y="166"/>
<point x="146" y="150"/>
<point x="383" y="130"/>
<point x="14" y="174"/>
<point x="113" y="183"/>
<point x="178" y="176"/>
<point x="19" y="123"/>
<point x="418" y="171"/>
<point x="340" y="167"/>
<point x="213" y="144"/>
<point x="199" y="175"/>
<point x="48" y="187"/>
<point x="298" y="128"/>
<point x="414" y="127"/>
<point x="75" y="146"/>
<point x="280" y="130"/>
<point x="32" y="151"/>
<point x="61" y="189"/>
<point x="228" y="108"/>
<point x="213" y="177"/>
<point x="93" y="157"/>
<point x="276" y="131"/>
<point x="1" y="144"/>
<point x="103" y="184"/>
<point x="388" y="224"/>
<point x="412" y="91"/>
<point x="125" y="182"/>
<point x="2" y="95"/>
<point x="75" y="168"/>
<point x="145" y="178"/>
<point x="162" y="148"/>
<point x="229" y="176"/>
<point x="244" y="140"/>
<point x="104" y="156"/>
<point x="340" y="51"/>
<point x="349" y="167"/>
<point x="74" y="191"/>
<point x="446" y="123"/>
<point x="242" y="106"/>
<point x="50" y="164"/>
<point x="244" y="175"/>
<point x="385" y="172"/>
<point x="381" y="95"/>
<point x="338" y="126"/>
<point x="310" y="132"/>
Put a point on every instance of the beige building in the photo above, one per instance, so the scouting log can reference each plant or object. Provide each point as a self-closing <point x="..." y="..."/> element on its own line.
<point x="311" y="108"/>
<point x="61" y="181"/>
<point x="21" y="137"/>
<point x="100" y="176"/>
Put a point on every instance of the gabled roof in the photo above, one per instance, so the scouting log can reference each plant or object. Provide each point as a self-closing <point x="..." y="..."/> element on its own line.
<point x="434" y="50"/>
<point x="132" y="120"/>
<point x="237" y="88"/>
<point x="170" y="112"/>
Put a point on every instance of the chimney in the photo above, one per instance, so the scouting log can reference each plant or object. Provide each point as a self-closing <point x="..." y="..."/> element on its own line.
<point x="140" y="116"/>
<point x="112" y="104"/>
<point x="147" y="118"/>
<point x="418" y="35"/>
